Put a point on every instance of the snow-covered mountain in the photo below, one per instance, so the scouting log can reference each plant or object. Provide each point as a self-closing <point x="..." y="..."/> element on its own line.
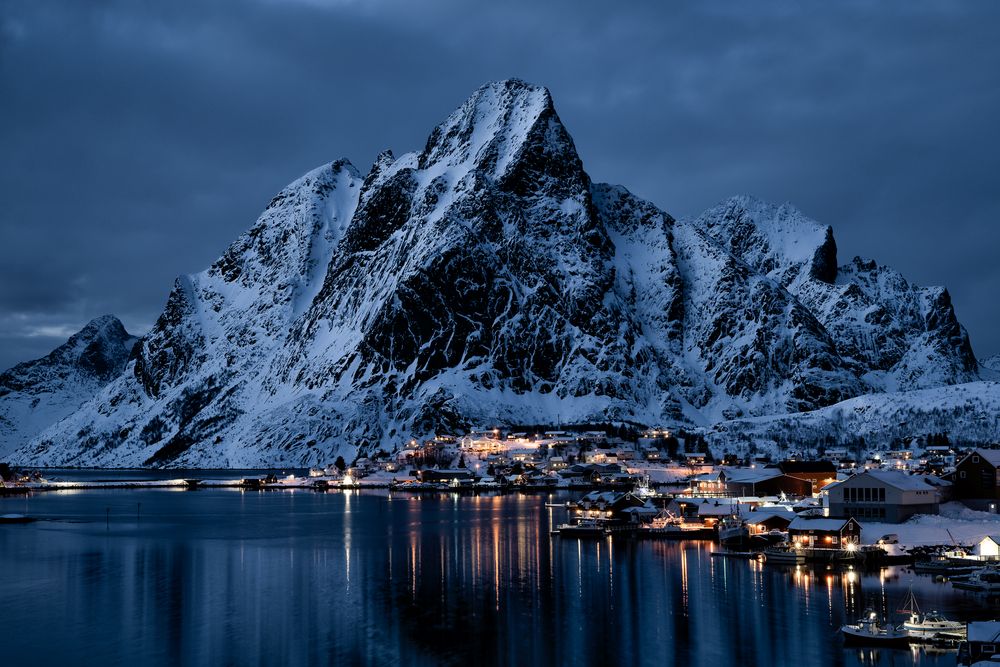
<point x="968" y="412"/>
<point x="895" y="335"/>
<point x="486" y="279"/>
<point x="38" y="393"/>
<point x="991" y="363"/>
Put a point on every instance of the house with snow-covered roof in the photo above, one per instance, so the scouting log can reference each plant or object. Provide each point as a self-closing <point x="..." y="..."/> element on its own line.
<point x="982" y="642"/>
<point x="824" y="533"/>
<point x="976" y="480"/>
<point x="883" y="495"/>
<point x="988" y="547"/>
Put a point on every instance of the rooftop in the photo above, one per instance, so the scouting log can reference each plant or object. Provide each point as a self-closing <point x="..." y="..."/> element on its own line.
<point x="897" y="479"/>
<point x="803" y="523"/>
<point x="991" y="455"/>
<point x="984" y="631"/>
<point x="791" y="467"/>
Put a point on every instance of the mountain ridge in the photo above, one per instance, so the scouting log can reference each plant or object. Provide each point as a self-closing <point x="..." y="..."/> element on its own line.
<point x="486" y="278"/>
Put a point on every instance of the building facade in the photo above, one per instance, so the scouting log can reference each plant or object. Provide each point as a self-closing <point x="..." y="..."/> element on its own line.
<point x="976" y="480"/>
<point x="882" y="495"/>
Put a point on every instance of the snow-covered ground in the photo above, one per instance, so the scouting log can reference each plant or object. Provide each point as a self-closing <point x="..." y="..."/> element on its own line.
<point x="956" y="524"/>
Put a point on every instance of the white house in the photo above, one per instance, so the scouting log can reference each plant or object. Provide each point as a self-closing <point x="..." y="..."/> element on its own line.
<point x="989" y="547"/>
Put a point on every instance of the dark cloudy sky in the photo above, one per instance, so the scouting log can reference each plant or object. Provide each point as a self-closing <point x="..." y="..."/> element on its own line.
<point x="137" y="139"/>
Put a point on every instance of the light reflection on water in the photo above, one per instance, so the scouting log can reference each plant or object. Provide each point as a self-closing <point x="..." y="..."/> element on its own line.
<point x="230" y="577"/>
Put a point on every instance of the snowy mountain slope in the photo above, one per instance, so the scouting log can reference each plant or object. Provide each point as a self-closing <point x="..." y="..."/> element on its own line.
<point x="991" y="363"/>
<point x="968" y="412"/>
<point x="35" y="394"/>
<point x="483" y="279"/>
<point x="898" y="336"/>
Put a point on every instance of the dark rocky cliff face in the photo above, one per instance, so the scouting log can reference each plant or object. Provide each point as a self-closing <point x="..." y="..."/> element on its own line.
<point x="485" y="279"/>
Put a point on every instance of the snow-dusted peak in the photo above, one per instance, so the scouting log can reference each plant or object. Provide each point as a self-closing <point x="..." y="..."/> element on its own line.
<point x="484" y="278"/>
<point x="35" y="394"/>
<point x="96" y="350"/>
<point x="296" y="231"/>
<point x="505" y="129"/>
<point x="489" y="129"/>
<point x="778" y="240"/>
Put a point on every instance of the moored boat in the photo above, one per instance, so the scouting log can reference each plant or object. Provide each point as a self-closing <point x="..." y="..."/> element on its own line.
<point x="783" y="554"/>
<point x="734" y="532"/>
<point x="930" y="626"/>
<point x="868" y="631"/>
<point x="983" y="580"/>
<point x="583" y="528"/>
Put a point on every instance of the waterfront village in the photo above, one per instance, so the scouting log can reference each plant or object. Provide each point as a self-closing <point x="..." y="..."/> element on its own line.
<point x="929" y="504"/>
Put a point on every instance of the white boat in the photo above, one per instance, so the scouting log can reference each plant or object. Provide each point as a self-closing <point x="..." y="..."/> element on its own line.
<point x="930" y="625"/>
<point x="783" y="554"/>
<point x="868" y="631"/>
<point x="583" y="528"/>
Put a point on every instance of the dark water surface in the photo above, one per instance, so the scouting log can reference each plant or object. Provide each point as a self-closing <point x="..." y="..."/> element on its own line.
<point x="158" y="577"/>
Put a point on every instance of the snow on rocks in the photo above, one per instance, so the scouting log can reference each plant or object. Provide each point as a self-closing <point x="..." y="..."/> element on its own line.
<point x="486" y="279"/>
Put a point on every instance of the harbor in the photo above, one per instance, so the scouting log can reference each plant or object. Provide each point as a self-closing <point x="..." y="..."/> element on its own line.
<point x="398" y="563"/>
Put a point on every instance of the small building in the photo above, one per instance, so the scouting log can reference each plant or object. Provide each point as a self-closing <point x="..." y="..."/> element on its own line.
<point x="764" y="520"/>
<point x="824" y="533"/>
<point x="606" y="506"/>
<point x="703" y="507"/>
<point x="976" y="480"/>
<point x="989" y="547"/>
<point x="763" y="482"/>
<point x="835" y="454"/>
<point x="883" y="495"/>
<point x="982" y="641"/>
<point x="819" y="473"/>
<point x="447" y="475"/>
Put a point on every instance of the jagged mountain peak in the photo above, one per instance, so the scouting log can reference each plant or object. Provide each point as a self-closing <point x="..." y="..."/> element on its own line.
<point x="93" y="349"/>
<point x="485" y="278"/>
<point x="490" y="127"/>
<point x="777" y="239"/>
<point x="35" y="394"/>
<point x="500" y="127"/>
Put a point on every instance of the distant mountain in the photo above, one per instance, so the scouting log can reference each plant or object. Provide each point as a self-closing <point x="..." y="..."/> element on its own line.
<point x="992" y="363"/>
<point x="38" y="393"/>
<point x="485" y="279"/>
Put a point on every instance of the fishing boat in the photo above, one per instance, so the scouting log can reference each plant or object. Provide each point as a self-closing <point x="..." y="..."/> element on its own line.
<point x="945" y="567"/>
<point x="929" y="626"/>
<point x="734" y="532"/>
<point x="583" y="528"/>
<point x="868" y="631"/>
<point x="783" y="554"/>
<point x="666" y="526"/>
<point x="15" y="518"/>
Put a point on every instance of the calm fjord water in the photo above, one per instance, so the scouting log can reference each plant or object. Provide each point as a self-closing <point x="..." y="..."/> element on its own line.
<point x="159" y="577"/>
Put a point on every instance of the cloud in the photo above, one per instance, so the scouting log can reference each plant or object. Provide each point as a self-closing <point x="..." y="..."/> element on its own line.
<point x="141" y="138"/>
